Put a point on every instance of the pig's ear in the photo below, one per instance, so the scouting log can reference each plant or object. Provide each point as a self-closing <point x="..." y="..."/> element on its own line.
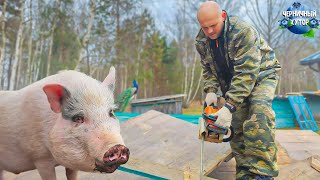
<point x="56" y="94"/>
<point x="109" y="81"/>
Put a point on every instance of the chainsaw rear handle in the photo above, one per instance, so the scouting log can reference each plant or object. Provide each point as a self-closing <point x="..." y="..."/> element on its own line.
<point x="231" y="135"/>
<point x="221" y="130"/>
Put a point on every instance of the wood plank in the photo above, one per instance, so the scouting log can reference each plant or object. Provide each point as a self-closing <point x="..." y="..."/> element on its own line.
<point x="300" y="144"/>
<point x="163" y="140"/>
<point x="315" y="163"/>
<point x="160" y="98"/>
<point x="300" y="170"/>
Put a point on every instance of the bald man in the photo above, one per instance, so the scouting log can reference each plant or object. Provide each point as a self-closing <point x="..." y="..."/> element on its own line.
<point x="236" y="59"/>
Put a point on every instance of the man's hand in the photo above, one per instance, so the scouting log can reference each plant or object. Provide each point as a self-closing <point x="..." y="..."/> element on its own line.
<point x="224" y="117"/>
<point x="211" y="98"/>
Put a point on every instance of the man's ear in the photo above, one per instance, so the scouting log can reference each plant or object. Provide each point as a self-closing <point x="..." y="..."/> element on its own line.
<point x="224" y="15"/>
<point x="56" y="94"/>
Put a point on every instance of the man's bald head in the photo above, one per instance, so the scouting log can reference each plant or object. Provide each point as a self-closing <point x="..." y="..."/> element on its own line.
<point x="211" y="19"/>
<point x="209" y="8"/>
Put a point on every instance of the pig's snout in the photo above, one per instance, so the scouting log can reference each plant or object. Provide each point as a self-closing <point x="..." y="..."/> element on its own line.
<point x="117" y="154"/>
<point x="113" y="158"/>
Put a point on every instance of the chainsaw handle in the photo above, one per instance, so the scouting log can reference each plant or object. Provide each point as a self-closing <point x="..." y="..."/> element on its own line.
<point x="204" y="116"/>
<point x="231" y="135"/>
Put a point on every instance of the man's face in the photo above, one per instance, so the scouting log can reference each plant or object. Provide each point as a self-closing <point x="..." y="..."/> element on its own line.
<point x="212" y="24"/>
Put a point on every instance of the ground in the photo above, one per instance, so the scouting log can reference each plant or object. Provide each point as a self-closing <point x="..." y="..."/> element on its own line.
<point x="195" y="108"/>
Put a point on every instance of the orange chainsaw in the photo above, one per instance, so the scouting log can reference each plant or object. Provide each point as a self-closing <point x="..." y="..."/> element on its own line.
<point x="211" y="131"/>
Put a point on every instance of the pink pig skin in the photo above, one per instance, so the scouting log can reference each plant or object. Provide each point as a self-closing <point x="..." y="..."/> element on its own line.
<point x="64" y="119"/>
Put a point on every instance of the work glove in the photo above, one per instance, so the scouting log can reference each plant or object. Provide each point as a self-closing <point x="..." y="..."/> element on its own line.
<point x="224" y="117"/>
<point x="211" y="98"/>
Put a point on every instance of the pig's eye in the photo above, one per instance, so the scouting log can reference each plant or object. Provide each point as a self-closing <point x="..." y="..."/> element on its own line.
<point x="111" y="114"/>
<point x="78" y="119"/>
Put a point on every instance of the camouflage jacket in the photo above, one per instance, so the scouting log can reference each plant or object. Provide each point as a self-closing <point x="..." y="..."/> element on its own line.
<point x="252" y="58"/>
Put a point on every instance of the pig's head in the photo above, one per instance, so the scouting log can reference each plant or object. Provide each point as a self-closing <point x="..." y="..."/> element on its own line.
<point x="86" y="134"/>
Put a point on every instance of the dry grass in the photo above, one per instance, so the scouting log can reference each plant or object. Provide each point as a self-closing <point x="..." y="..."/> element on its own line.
<point x="195" y="108"/>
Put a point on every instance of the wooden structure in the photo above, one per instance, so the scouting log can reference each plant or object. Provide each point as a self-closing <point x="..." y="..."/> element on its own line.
<point x="313" y="61"/>
<point x="298" y="157"/>
<point x="313" y="99"/>
<point x="165" y="147"/>
<point x="166" y="104"/>
<point x="284" y="114"/>
<point x="168" y="147"/>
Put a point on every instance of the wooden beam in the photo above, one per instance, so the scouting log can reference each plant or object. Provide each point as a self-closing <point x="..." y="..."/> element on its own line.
<point x="315" y="162"/>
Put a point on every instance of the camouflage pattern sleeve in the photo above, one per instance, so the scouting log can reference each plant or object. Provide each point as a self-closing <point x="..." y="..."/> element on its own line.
<point x="210" y="80"/>
<point x="247" y="60"/>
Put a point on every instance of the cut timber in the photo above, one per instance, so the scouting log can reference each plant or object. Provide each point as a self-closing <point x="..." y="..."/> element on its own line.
<point x="315" y="162"/>
<point x="294" y="146"/>
<point x="299" y="170"/>
<point x="169" y="148"/>
<point x="300" y="144"/>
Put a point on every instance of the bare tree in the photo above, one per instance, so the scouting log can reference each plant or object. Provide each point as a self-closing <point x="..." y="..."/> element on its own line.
<point x="85" y="38"/>
<point x="3" y="46"/>
<point x="190" y="96"/>
<point x="17" y="48"/>
<point x="18" y="81"/>
<point x="37" y="58"/>
<point x="29" y="63"/>
<point x="265" y="16"/>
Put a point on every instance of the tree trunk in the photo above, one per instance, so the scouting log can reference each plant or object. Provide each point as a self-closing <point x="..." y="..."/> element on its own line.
<point x="125" y="77"/>
<point x="17" y="50"/>
<point x="29" y="46"/>
<point x="145" y="87"/>
<point x="185" y="52"/>
<point x="9" y="71"/>
<point x="198" y="86"/>
<point x="2" y="80"/>
<point x="138" y="58"/>
<point x="192" y="78"/>
<point x="39" y="58"/>
<point x="54" y="23"/>
<point x="185" y="81"/>
<point x="88" y="60"/>
<point x="122" y="82"/>
<point x="19" y="81"/>
<point x="85" y="39"/>
<point x="50" y="47"/>
<point x="3" y="46"/>
<point x="279" y="85"/>
<point x="33" y="63"/>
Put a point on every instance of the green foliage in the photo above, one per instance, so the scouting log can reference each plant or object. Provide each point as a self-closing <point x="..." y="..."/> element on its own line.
<point x="122" y="34"/>
<point x="65" y="48"/>
<point x="170" y="53"/>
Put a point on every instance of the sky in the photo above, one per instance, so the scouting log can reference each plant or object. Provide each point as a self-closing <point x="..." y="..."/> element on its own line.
<point x="163" y="11"/>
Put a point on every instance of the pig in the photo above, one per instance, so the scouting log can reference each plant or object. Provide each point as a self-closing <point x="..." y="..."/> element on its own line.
<point x="65" y="119"/>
